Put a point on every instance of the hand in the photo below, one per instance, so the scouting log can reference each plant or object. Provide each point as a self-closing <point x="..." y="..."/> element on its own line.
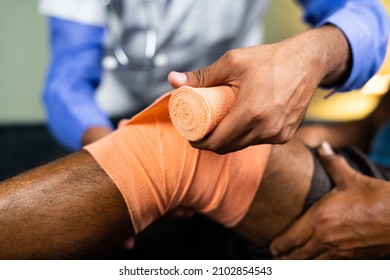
<point x="95" y="133"/>
<point x="274" y="84"/>
<point x="122" y="122"/>
<point x="350" y="222"/>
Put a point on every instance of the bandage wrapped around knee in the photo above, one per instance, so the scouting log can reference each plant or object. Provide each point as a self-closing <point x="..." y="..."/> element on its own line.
<point x="156" y="169"/>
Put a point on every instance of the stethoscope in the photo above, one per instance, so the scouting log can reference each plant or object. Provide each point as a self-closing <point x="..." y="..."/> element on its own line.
<point x="118" y="59"/>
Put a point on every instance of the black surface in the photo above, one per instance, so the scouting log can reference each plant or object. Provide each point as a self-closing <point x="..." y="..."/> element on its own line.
<point x="23" y="147"/>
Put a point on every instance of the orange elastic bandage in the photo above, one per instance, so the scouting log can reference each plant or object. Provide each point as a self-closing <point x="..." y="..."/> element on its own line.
<point x="195" y="112"/>
<point x="157" y="170"/>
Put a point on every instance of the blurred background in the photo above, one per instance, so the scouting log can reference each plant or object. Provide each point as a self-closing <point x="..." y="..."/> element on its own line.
<point x="24" y="141"/>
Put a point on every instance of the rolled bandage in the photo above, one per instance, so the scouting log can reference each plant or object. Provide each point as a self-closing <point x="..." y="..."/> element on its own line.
<point x="195" y="112"/>
<point x="157" y="170"/>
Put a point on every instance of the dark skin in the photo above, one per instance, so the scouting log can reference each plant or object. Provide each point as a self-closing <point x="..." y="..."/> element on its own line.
<point x="71" y="209"/>
<point x="274" y="85"/>
<point x="66" y="209"/>
<point x="281" y="195"/>
<point x="350" y="222"/>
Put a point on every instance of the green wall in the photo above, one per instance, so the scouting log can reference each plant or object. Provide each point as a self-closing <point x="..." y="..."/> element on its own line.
<point x="23" y="54"/>
<point x="284" y="18"/>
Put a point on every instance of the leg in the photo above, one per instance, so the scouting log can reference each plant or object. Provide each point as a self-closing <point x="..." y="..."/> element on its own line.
<point x="65" y="209"/>
<point x="156" y="170"/>
<point x="71" y="208"/>
<point x="282" y="193"/>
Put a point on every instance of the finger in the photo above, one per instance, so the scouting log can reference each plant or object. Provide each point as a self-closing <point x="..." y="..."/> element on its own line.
<point x="294" y="237"/>
<point x="215" y="74"/>
<point x="309" y="250"/>
<point x="336" y="166"/>
<point x="231" y="134"/>
<point x="237" y="142"/>
<point x="176" y="79"/>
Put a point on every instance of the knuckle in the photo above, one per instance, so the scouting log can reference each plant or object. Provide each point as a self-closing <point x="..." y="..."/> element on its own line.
<point x="258" y="115"/>
<point x="273" y="133"/>
<point x="323" y="217"/>
<point x="330" y="239"/>
<point x="283" y="136"/>
<point x="255" y="119"/>
<point x="327" y="238"/>
<point x="232" y="57"/>
<point x="201" y="76"/>
<point x="292" y="239"/>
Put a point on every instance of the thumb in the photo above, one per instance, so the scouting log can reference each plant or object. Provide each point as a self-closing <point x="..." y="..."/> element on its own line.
<point x="212" y="75"/>
<point x="336" y="166"/>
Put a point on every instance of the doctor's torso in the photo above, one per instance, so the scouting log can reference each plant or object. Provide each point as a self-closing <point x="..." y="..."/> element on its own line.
<point x="183" y="35"/>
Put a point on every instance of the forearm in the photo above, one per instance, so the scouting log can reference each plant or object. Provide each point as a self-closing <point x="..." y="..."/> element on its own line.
<point x="74" y="74"/>
<point x="66" y="209"/>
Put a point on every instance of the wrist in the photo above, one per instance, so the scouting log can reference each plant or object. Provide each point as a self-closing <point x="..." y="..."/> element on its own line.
<point x="336" y="58"/>
<point x="324" y="52"/>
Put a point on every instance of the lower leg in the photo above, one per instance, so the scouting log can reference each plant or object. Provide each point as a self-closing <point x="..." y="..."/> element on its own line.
<point x="282" y="194"/>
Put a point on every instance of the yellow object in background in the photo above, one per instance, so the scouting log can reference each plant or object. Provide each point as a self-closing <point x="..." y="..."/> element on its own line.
<point x="354" y="105"/>
<point x="341" y="107"/>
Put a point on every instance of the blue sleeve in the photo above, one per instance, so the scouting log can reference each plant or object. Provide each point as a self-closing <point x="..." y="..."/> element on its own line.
<point x="73" y="76"/>
<point x="366" y="27"/>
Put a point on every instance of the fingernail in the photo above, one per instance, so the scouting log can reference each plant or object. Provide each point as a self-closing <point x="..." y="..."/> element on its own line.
<point x="327" y="149"/>
<point x="180" y="78"/>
